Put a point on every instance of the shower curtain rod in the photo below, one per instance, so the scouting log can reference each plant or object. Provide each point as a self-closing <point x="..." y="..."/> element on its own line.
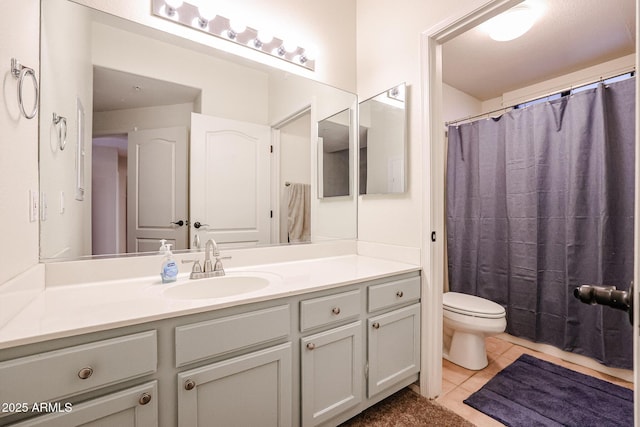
<point x="555" y="92"/>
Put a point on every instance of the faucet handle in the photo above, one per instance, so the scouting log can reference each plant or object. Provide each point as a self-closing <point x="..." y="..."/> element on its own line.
<point x="196" y="265"/>
<point x="218" y="265"/>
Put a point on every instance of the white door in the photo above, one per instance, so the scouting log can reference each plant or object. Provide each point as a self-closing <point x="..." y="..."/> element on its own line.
<point x="157" y="189"/>
<point x="230" y="181"/>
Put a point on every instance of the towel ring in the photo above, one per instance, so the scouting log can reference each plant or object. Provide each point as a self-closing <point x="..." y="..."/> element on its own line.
<point x="20" y="72"/>
<point x="60" y="123"/>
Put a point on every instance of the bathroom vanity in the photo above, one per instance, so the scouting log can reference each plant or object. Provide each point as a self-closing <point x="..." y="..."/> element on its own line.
<point x="325" y="340"/>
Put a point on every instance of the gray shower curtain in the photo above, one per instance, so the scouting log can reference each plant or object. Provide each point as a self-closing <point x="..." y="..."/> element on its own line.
<point x="540" y="201"/>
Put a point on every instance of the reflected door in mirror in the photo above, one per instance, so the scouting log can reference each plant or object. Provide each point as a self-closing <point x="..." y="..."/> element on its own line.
<point x="230" y="181"/>
<point x="157" y="189"/>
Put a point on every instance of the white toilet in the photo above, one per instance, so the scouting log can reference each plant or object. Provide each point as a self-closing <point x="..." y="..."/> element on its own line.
<point x="467" y="321"/>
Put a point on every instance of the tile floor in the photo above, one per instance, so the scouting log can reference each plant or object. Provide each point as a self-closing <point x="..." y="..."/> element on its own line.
<point x="459" y="383"/>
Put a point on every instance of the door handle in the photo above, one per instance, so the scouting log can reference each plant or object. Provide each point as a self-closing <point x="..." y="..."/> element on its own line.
<point x="197" y="224"/>
<point x="180" y="223"/>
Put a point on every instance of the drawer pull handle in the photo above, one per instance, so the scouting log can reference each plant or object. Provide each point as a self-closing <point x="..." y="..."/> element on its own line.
<point x="311" y="346"/>
<point x="336" y="310"/>
<point x="144" y="398"/>
<point x="189" y="384"/>
<point x="85" y="373"/>
<point x="399" y="294"/>
<point x="376" y="325"/>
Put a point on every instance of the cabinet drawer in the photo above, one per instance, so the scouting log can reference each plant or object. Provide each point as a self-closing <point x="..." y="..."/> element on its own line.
<point x="212" y="338"/>
<point x="56" y="374"/>
<point x="330" y="309"/>
<point x="394" y="293"/>
<point x="136" y="406"/>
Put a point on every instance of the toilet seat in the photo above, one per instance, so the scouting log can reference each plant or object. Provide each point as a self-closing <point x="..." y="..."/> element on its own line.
<point x="470" y="305"/>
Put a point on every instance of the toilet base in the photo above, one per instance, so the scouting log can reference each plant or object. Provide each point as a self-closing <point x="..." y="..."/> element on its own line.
<point x="467" y="350"/>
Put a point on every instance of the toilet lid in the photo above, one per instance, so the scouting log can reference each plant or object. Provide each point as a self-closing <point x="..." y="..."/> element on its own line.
<point x="471" y="305"/>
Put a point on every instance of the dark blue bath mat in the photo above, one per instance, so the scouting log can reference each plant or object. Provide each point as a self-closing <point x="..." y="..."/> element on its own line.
<point x="533" y="392"/>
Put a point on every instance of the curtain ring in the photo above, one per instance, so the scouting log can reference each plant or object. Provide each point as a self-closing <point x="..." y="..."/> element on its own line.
<point x="20" y="72"/>
<point x="60" y="122"/>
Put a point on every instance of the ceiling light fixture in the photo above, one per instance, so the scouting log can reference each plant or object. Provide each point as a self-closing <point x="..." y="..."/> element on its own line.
<point x="203" y="17"/>
<point x="514" y="22"/>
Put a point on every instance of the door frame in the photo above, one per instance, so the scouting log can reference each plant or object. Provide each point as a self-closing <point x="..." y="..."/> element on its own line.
<point x="276" y="127"/>
<point x="434" y="157"/>
<point x="433" y="161"/>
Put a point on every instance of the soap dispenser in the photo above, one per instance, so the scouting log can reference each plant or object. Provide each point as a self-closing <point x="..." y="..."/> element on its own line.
<point x="169" y="270"/>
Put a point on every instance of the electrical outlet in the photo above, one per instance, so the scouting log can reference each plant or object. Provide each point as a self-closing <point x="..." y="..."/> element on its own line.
<point x="33" y="205"/>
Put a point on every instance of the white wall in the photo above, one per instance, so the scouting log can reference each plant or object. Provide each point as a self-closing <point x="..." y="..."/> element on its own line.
<point x="67" y="77"/>
<point x="388" y="52"/>
<point x="228" y="90"/>
<point x="19" y="38"/>
<point x="457" y="104"/>
<point x="561" y="83"/>
<point x="124" y="121"/>
<point x="105" y="202"/>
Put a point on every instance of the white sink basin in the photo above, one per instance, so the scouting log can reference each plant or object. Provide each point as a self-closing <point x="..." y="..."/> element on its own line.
<point x="216" y="287"/>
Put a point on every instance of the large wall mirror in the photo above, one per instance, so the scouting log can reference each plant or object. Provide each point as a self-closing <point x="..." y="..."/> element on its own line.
<point x="383" y="142"/>
<point x="177" y="141"/>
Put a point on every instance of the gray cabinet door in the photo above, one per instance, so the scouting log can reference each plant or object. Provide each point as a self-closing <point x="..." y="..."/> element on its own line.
<point x="249" y="390"/>
<point x="393" y="347"/>
<point x="332" y="372"/>
<point x="134" y="407"/>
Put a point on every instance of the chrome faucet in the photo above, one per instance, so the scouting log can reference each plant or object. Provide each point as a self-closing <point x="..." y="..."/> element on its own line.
<point x="217" y="269"/>
<point x="211" y="269"/>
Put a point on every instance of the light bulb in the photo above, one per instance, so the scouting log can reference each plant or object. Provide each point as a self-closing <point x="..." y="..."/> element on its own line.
<point x="206" y="12"/>
<point x="310" y="52"/>
<point x="237" y="26"/>
<point x="289" y="46"/>
<point x="265" y="36"/>
<point x="171" y="6"/>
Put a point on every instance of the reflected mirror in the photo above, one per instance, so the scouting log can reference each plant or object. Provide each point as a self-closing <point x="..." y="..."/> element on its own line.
<point x="334" y="155"/>
<point x="383" y="142"/>
<point x="179" y="141"/>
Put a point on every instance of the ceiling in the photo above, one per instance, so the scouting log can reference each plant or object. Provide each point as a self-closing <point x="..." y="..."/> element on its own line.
<point x="570" y="36"/>
<point x="116" y="90"/>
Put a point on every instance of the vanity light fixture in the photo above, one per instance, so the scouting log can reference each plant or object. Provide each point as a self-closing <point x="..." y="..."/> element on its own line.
<point x="203" y="17"/>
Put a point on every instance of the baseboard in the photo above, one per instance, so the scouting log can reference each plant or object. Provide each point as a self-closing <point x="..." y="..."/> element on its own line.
<point x="578" y="359"/>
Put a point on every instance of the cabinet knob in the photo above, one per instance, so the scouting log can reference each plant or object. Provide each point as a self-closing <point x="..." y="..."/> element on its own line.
<point x="376" y="325"/>
<point x="311" y="346"/>
<point x="336" y="310"/>
<point x="144" y="398"/>
<point x="189" y="384"/>
<point x="85" y="373"/>
<point x="399" y="294"/>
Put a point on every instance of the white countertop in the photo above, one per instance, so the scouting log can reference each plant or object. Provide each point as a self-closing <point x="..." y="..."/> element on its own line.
<point x="63" y="311"/>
